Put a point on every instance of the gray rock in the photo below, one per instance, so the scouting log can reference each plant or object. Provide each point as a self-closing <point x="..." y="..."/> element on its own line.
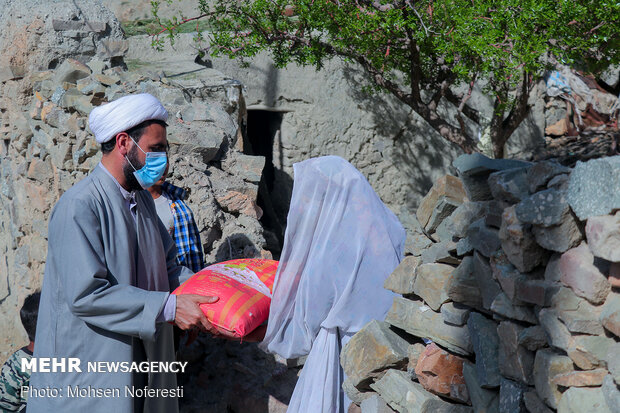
<point x="194" y="141"/>
<point x="444" y="197"/>
<point x="552" y="271"/>
<point x="482" y="400"/>
<point x="613" y="361"/>
<point x="583" y="320"/>
<point x="557" y="334"/>
<point x="419" y="320"/>
<point x="594" y="187"/>
<point x="402" y="278"/>
<point x="579" y="272"/>
<point x="414" y="351"/>
<point x="511" y="397"/>
<point x="489" y="289"/>
<point x="372" y="350"/>
<point x="79" y="25"/>
<point x="610" y="314"/>
<point x="400" y="393"/>
<point x="444" y="207"/>
<point x="440" y="252"/>
<point x="440" y="406"/>
<point x="611" y="393"/>
<point x="474" y="171"/>
<point x="355" y="395"/>
<point x="561" y="237"/>
<point x="484" y="239"/>
<point x="535" y="291"/>
<point x="431" y="282"/>
<point x="249" y="168"/>
<point x="603" y="235"/>
<point x="463" y="247"/>
<point x="547" y="365"/>
<point x="493" y="214"/>
<point x="519" y="243"/>
<point x="515" y="362"/>
<point x="589" y="352"/>
<point x="416" y="243"/>
<point x="503" y="306"/>
<point x="611" y="76"/>
<point x="455" y="313"/>
<point x="509" y="185"/>
<point x="560" y="182"/>
<point x="477" y="187"/>
<point x="563" y="298"/>
<point x="463" y="287"/>
<point x="506" y="274"/>
<point x="456" y="225"/>
<point x="96" y="66"/>
<point x="375" y="404"/>
<point x="474" y="164"/>
<point x="533" y="404"/>
<point x="71" y="71"/>
<point x="542" y="172"/>
<point x="111" y="48"/>
<point x="485" y="342"/>
<point x="544" y="208"/>
<point x="583" y="399"/>
<point x="533" y="338"/>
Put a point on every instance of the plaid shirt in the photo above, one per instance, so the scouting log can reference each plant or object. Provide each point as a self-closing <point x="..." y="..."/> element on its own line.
<point x="186" y="234"/>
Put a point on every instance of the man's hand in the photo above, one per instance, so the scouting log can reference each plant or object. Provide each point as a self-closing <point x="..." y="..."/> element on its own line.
<point x="189" y="315"/>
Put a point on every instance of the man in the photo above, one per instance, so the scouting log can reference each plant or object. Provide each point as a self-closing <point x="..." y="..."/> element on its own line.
<point x="178" y="218"/>
<point x="109" y="272"/>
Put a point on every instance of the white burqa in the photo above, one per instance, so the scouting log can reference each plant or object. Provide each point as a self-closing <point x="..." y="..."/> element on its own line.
<point x="341" y="243"/>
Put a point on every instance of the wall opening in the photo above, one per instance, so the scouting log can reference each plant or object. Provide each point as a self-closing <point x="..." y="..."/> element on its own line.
<point x="263" y="131"/>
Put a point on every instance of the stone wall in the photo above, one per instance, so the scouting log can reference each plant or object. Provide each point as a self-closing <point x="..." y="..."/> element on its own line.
<point x="46" y="145"/>
<point x="509" y="297"/>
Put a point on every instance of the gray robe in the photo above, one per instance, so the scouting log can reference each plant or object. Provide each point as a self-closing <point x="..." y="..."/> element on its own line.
<point x="107" y="278"/>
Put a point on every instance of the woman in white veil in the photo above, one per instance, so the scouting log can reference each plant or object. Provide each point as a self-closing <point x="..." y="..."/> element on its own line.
<point x="341" y="243"/>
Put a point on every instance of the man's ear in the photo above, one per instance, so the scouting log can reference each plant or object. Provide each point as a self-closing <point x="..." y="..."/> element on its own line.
<point x="123" y="143"/>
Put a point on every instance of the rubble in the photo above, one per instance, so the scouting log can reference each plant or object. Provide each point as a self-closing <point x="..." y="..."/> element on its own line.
<point x="528" y="319"/>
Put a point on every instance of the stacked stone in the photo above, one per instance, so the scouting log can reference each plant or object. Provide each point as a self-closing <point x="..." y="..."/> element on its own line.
<point x="509" y="296"/>
<point x="47" y="147"/>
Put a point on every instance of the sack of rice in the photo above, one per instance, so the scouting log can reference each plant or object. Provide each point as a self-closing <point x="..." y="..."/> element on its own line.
<point x="244" y="288"/>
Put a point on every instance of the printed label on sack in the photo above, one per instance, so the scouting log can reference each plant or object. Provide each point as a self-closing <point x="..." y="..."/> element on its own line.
<point x="242" y="274"/>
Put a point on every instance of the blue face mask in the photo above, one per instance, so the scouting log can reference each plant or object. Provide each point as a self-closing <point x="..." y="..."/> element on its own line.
<point x="153" y="169"/>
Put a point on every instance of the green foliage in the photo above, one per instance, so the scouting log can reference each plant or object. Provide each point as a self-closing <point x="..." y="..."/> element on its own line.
<point x="409" y="46"/>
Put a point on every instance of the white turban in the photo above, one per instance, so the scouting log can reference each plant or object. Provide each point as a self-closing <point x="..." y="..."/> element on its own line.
<point x="107" y="120"/>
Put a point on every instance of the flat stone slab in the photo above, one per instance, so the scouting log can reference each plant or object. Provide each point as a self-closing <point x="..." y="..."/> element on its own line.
<point x="477" y="163"/>
<point x="474" y="170"/>
<point x="485" y="341"/>
<point x="431" y="283"/>
<point x="418" y="319"/>
<point x="402" y="394"/>
<point x="579" y="272"/>
<point x="581" y="400"/>
<point x="594" y="187"/>
<point x="539" y="175"/>
<point x="509" y="185"/>
<point x="402" y="278"/>
<point x="482" y="400"/>
<point x="547" y="365"/>
<point x="603" y="234"/>
<point x="372" y="350"/>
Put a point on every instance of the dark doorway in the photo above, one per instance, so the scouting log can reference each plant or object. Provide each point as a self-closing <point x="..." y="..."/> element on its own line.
<point x="263" y="128"/>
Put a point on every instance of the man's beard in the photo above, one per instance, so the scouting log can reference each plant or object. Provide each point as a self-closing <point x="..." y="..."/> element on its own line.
<point x="128" y="171"/>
